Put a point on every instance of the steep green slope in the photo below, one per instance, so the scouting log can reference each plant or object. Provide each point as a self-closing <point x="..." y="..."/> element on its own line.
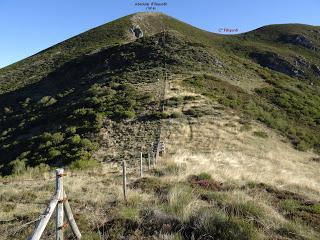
<point x="36" y="67"/>
<point x="55" y="121"/>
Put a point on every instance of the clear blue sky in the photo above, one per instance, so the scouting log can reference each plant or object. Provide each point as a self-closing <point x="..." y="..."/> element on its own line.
<point x="29" y="26"/>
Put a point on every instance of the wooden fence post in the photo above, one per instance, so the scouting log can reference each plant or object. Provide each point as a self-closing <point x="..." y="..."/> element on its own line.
<point x="69" y="215"/>
<point x="124" y="178"/>
<point x="157" y="153"/>
<point x="59" y="191"/>
<point x="45" y="218"/>
<point x="60" y="201"/>
<point x="141" y="165"/>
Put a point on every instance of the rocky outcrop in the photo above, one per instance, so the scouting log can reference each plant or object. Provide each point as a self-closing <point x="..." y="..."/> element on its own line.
<point x="137" y="31"/>
<point x="299" y="40"/>
<point x="277" y="63"/>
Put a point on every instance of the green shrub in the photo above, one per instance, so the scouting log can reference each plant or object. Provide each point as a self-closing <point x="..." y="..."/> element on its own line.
<point x="204" y="176"/>
<point x="87" y="144"/>
<point x="57" y="138"/>
<point x="76" y="139"/>
<point x="199" y="111"/>
<point x="54" y="153"/>
<point x="173" y="101"/>
<point x="47" y="101"/>
<point x="246" y="125"/>
<point x="151" y="184"/>
<point x="71" y="130"/>
<point x="83" y="164"/>
<point x="176" y="115"/>
<point x="46" y="144"/>
<point x="158" y="115"/>
<point x="190" y="98"/>
<point x="124" y="114"/>
<point x="302" y="145"/>
<point x="260" y="134"/>
<point x="26" y="102"/>
<point x="18" y="166"/>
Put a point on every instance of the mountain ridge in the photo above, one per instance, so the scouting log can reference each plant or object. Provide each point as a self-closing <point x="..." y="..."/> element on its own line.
<point x="239" y="116"/>
<point x="113" y="49"/>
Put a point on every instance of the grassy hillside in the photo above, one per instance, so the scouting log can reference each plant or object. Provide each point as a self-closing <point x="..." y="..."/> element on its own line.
<point x="241" y="121"/>
<point x="75" y="82"/>
<point x="270" y="75"/>
<point x="285" y="105"/>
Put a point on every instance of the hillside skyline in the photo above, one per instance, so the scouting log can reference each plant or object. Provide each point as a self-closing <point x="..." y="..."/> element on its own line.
<point x="32" y="27"/>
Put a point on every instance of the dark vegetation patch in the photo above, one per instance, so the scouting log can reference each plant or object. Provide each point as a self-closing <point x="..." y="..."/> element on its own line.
<point x="174" y="101"/>
<point x="176" y="115"/>
<point x="155" y="222"/>
<point x="150" y="184"/>
<point x="39" y="133"/>
<point x="198" y="111"/>
<point x="260" y="134"/>
<point x="157" y="115"/>
<point x="204" y="180"/>
<point x="282" y="106"/>
<point x="55" y="121"/>
<point x="190" y="98"/>
<point x="245" y="125"/>
<point x="316" y="159"/>
<point x="117" y="228"/>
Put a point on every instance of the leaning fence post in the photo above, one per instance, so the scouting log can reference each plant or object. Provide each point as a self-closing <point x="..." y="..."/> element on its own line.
<point x="59" y="191"/>
<point x="45" y="218"/>
<point x="69" y="215"/>
<point x="141" y="165"/>
<point x="60" y="201"/>
<point x="124" y="182"/>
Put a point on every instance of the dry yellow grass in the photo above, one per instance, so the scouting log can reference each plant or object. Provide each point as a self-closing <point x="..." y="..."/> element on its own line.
<point x="92" y="194"/>
<point x="216" y="144"/>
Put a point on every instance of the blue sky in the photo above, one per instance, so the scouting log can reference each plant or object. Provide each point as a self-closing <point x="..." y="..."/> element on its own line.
<point x="29" y="26"/>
